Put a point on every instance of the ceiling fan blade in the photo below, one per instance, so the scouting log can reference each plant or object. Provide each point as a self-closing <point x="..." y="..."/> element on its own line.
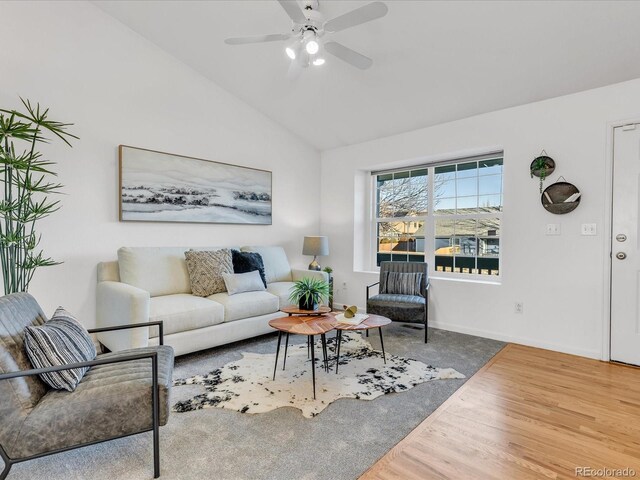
<point x="356" y="17"/>
<point x="275" y="37"/>
<point x="293" y="10"/>
<point x="350" y="56"/>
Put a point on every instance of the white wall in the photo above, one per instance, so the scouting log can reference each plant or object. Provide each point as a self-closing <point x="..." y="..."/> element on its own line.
<point x="120" y="89"/>
<point x="560" y="279"/>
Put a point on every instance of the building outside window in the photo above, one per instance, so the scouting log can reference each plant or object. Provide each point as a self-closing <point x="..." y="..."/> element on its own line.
<point x="448" y="215"/>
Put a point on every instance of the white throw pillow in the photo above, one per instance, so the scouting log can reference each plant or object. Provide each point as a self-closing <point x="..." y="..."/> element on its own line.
<point x="243" y="282"/>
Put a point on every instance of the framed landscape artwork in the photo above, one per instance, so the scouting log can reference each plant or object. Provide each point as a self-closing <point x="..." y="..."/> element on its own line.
<point x="162" y="187"/>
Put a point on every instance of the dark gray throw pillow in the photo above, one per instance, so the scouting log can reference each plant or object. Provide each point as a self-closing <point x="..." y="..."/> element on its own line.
<point x="245" y="262"/>
<point x="59" y="341"/>
<point x="401" y="283"/>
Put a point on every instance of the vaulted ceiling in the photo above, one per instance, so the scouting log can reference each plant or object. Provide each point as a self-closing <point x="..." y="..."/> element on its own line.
<point x="433" y="61"/>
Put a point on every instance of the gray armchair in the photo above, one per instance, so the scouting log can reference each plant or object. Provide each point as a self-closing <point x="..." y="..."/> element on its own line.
<point x="123" y="393"/>
<point x="402" y="308"/>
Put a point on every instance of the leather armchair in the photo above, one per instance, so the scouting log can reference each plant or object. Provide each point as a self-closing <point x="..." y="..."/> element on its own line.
<point x="123" y="393"/>
<point x="402" y="308"/>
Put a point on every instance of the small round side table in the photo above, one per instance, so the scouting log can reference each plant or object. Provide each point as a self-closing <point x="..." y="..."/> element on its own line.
<point x="309" y="325"/>
<point x="372" y="321"/>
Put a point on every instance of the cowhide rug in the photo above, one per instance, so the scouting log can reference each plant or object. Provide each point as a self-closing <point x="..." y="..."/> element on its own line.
<point x="247" y="385"/>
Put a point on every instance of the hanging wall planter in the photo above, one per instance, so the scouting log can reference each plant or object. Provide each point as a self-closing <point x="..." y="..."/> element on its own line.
<point x="560" y="197"/>
<point x="542" y="166"/>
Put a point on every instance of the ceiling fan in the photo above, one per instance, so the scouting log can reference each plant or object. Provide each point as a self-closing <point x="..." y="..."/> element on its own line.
<point x="306" y="44"/>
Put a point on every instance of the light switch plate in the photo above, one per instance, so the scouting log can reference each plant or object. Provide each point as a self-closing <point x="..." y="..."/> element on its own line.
<point x="553" y="229"/>
<point x="588" y="229"/>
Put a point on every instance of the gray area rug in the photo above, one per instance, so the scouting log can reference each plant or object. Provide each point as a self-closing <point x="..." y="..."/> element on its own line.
<point x="341" y="443"/>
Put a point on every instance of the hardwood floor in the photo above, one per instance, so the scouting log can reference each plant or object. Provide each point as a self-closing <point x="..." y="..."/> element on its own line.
<point x="527" y="414"/>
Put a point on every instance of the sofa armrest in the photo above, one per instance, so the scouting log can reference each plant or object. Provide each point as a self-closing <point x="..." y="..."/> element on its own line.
<point x="298" y="274"/>
<point x="122" y="304"/>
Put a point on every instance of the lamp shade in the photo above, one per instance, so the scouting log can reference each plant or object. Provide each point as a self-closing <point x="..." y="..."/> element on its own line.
<point x="315" y="246"/>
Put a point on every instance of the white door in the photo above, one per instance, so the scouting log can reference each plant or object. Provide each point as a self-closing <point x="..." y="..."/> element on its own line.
<point x="625" y="267"/>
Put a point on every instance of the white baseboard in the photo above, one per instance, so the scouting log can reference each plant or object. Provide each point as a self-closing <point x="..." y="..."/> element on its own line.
<point x="478" y="332"/>
<point x="513" y="339"/>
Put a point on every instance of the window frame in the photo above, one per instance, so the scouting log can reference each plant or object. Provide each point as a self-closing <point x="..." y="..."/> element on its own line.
<point x="429" y="220"/>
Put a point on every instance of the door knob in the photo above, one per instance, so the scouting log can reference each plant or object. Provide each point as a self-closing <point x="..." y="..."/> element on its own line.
<point x="621" y="255"/>
<point x="621" y="237"/>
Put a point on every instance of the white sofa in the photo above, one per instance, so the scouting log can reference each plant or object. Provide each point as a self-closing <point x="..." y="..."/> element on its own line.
<point x="152" y="283"/>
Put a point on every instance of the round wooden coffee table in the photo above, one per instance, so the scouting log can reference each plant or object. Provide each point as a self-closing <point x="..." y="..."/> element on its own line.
<point x="372" y="321"/>
<point x="309" y="325"/>
<point x="294" y="310"/>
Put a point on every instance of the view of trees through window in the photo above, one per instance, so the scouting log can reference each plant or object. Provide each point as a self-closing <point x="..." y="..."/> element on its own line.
<point x="448" y="214"/>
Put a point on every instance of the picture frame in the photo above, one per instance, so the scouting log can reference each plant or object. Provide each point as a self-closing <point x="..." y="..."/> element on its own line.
<point x="157" y="186"/>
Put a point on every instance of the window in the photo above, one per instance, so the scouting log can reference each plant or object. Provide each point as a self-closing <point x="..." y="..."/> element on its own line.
<point x="448" y="215"/>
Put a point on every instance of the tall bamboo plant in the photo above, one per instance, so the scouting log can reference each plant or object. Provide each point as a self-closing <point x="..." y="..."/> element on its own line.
<point x="25" y="175"/>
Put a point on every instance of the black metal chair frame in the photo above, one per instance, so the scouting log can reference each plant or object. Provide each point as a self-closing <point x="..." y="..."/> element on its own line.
<point x="426" y="309"/>
<point x="155" y="404"/>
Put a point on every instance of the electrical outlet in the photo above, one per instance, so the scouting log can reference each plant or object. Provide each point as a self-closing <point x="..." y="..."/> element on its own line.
<point x="344" y="285"/>
<point x="519" y="307"/>
<point x="553" y="229"/>
<point x="588" y="229"/>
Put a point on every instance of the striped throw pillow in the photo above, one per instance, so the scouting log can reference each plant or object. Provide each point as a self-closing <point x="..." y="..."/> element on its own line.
<point x="401" y="283"/>
<point x="60" y="341"/>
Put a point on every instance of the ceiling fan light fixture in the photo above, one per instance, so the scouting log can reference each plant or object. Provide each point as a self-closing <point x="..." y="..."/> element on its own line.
<point x="293" y="49"/>
<point x="310" y="40"/>
<point x="291" y="53"/>
<point x="306" y="40"/>
<point x="312" y="47"/>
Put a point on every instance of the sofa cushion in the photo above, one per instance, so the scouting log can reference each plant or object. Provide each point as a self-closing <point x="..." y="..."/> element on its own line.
<point x="206" y="270"/>
<point x="60" y="341"/>
<point x="158" y="270"/>
<point x="282" y="290"/>
<point x="390" y="299"/>
<point x="244" y="262"/>
<point x="243" y="282"/>
<point x="183" y="312"/>
<point x="112" y="399"/>
<point x="399" y="308"/>
<point x="245" y="305"/>
<point x="276" y="265"/>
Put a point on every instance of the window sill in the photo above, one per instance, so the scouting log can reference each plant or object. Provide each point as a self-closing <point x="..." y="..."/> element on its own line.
<point x="368" y="272"/>
<point x="484" y="281"/>
<point x="465" y="279"/>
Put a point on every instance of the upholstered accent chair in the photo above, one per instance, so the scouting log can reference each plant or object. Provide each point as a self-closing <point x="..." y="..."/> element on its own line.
<point x="122" y="394"/>
<point x="400" y="307"/>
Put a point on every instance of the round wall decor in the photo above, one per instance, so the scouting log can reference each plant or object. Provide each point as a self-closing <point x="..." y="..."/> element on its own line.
<point x="542" y="166"/>
<point x="560" y="197"/>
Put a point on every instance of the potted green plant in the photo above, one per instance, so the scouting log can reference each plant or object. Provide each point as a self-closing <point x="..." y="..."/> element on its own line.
<point x="328" y="271"/>
<point x="25" y="176"/>
<point x="308" y="293"/>
<point x="541" y="167"/>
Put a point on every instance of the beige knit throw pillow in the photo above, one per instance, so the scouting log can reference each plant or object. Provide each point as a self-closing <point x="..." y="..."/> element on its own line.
<point x="206" y="269"/>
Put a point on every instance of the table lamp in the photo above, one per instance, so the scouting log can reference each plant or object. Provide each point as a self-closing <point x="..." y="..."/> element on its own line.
<point x="316" y="246"/>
